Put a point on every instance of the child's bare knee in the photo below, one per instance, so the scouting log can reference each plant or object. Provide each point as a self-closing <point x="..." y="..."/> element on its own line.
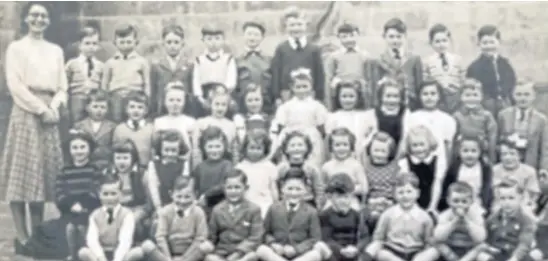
<point x="536" y="255"/>
<point x="323" y="249"/>
<point x="206" y="247"/>
<point x="148" y="246"/>
<point x="85" y="254"/>
<point x="482" y="256"/>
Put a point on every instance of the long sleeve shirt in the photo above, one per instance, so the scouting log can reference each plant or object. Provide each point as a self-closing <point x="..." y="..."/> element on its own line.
<point x="512" y="233"/>
<point x="141" y="137"/>
<point x="116" y="236"/>
<point x="35" y="66"/>
<point x="176" y="234"/>
<point x="77" y="185"/>
<point x="83" y="76"/>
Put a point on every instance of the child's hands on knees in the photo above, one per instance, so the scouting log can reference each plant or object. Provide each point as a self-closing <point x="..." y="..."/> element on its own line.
<point x="207" y="247"/>
<point x="349" y="251"/>
<point x="289" y="251"/>
<point x="76" y="208"/>
<point x="278" y="249"/>
<point x="234" y="256"/>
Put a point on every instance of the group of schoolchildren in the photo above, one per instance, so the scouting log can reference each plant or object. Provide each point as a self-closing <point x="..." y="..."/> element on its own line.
<point x="288" y="157"/>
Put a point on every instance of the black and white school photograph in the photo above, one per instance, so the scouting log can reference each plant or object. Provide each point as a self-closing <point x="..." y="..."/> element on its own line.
<point x="273" y="131"/>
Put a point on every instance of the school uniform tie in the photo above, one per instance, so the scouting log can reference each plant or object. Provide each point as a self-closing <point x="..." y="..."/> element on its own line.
<point x="136" y="125"/>
<point x="89" y="62"/>
<point x="444" y="63"/>
<point x="298" y="44"/>
<point x="291" y="212"/>
<point x="522" y="115"/>
<point x="180" y="213"/>
<point x="397" y="54"/>
<point x="110" y="215"/>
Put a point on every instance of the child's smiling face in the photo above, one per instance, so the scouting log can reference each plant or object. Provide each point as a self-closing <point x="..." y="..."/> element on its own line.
<point x="419" y="146"/>
<point x="253" y="37"/>
<point x="136" y="110"/>
<point x="219" y="106"/>
<point x="255" y="151"/>
<point x="254" y="102"/>
<point x="97" y="110"/>
<point x="89" y="45"/>
<point x="348" y="98"/>
<point x="302" y="88"/>
<point x="122" y="161"/>
<point x="173" y="44"/>
<point x="406" y="195"/>
<point x="489" y="45"/>
<point x="293" y="190"/>
<point x="183" y="198"/>
<point x="341" y="146"/>
<point x="110" y="194"/>
<point x="508" y="198"/>
<point x="394" y="39"/>
<point x="441" y="42"/>
<point x="469" y="152"/>
<point x="524" y="95"/>
<point x="175" y="101"/>
<point x="379" y="152"/>
<point x="295" y="26"/>
<point x="214" y="42"/>
<point x="234" y="189"/>
<point x="348" y="40"/>
<point x="391" y="97"/>
<point x="471" y="98"/>
<point x="79" y="151"/>
<point x="214" y="149"/>
<point x="341" y="201"/>
<point x="509" y="157"/>
<point x="460" y="202"/>
<point x="126" y="44"/>
<point x="430" y="97"/>
<point x="170" y="149"/>
<point x="296" y="149"/>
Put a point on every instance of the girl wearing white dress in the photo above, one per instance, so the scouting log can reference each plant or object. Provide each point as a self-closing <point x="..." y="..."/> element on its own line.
<point x="347" y="112"/>
<point x="305" y="114"/>
<point x="440" y="123"/>
<point x="174" y="100"/>
<point x="261" y="173"/>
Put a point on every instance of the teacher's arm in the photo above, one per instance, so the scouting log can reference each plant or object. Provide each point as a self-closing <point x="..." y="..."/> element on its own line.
<point x="20" y="92"/>
<point x="61" y="95"/>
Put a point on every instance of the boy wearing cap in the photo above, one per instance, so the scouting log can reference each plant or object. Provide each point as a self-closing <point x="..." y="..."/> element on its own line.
<point x="343" y="228"/>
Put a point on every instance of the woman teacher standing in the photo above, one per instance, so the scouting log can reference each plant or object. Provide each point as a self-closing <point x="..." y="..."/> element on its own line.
<point x="32" y="154"/>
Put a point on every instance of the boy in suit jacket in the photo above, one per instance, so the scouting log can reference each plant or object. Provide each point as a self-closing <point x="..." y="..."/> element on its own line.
<point x="494" y="71"/>
<point x="405" y="229"/>
<point x="398" y="63"/>
<point x="293" y="53"/>
<point x="530" y="126"/>
<point x="292" y="227"/>
<point x="235" y="225"/>
<point x="182" y="227"/>
<point x="83" y="73"/>
<point x="110" y="232"/>
<point x="170" y="67"/>
<point x="98" y="126"/>
<point x="254" y="65"/>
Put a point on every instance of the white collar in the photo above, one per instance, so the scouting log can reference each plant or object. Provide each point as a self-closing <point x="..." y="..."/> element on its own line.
<point x="427" y="160"/>
<point x="476" y="167"/>
<point x="141" y="123"/>
<point x="186" y="212"/>
<point x="303" y="41"/>
<point x="401" y="52"/>
<point x="115" y="210"/>
<point x="119" y="56"/>
<point x="82" y="58"/>
<point x="306" y="99"/>
<point x="414" y="212"/>
<point x="294" y="208"/>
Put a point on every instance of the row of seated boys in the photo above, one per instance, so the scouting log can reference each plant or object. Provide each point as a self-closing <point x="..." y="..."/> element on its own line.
<point x="294" y="230"/>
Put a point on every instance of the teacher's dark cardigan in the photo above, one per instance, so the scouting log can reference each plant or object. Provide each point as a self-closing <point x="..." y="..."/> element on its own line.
<point x="486" y="194"/>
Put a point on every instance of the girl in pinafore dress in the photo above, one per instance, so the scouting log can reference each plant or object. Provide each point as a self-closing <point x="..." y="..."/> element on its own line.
<point x="261" y="173"/>
<point x="35" y="76"/>
<point x="348" y="113"/>
<point x="305" y="114"/>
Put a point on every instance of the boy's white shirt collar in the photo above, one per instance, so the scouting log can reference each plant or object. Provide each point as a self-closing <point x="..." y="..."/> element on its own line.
<point x="427" y="160"/>
<point x="527" y="112"/>
<point x="401" y="50"/>
<point x="115" y="210"/>
<point x="186" y="212"/>
<point x="303" y="41"/>
<point x="289" y="208"/>
<point x="414" y="212"/>
<point x="142" y="123"/>
<point x="173" y="61"/>
<point x="131" y="55"/>
<point x="216" y="54"/>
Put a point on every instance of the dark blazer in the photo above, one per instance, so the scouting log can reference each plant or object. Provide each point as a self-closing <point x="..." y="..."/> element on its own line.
<point x="451" y="177"/>
<point x="408" y="72"/>
<point x="161" y="75"/>
<point x="240" y="231"/>
<point x="536" y="154"/>
<point x="302" y="232"/>
<point x="483" y="70"/>
<point x="103" y="138"/>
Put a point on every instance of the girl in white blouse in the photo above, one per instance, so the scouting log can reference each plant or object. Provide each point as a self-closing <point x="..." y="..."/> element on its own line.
<point x="174" y="100"/>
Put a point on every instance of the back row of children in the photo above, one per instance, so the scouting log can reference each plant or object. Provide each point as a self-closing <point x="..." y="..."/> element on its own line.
<point x="251" y="111"/>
